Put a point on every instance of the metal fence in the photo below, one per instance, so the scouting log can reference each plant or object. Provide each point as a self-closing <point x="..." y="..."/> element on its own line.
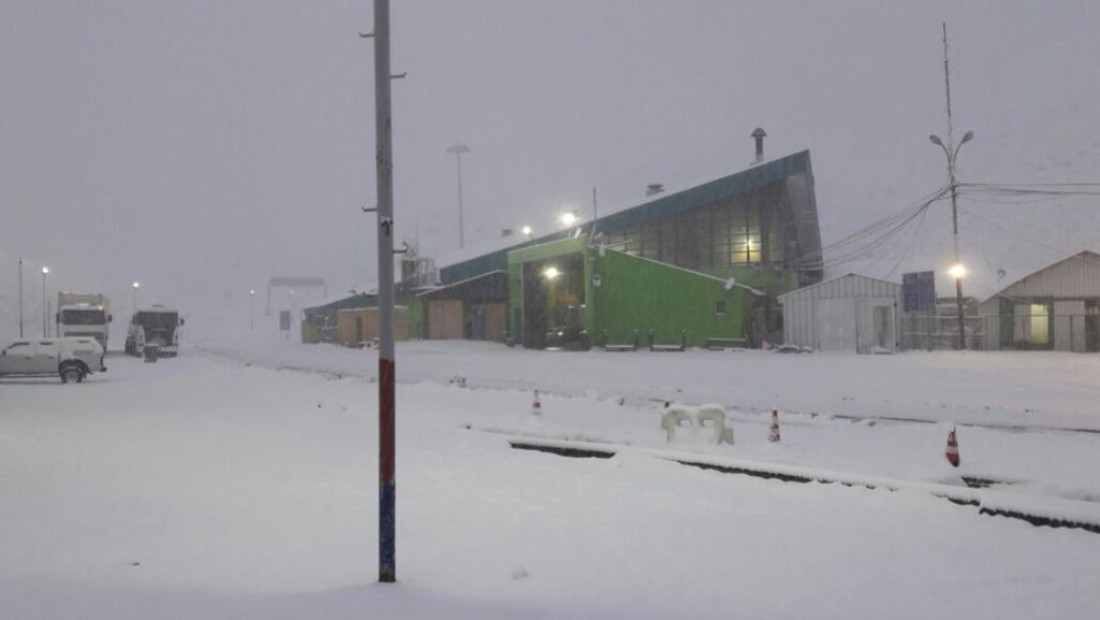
<point x="1027" y="332"/>
<point x="923" y="331"/>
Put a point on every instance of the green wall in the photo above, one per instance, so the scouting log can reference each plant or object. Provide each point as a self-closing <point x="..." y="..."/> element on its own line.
<point x="640" y="294"/>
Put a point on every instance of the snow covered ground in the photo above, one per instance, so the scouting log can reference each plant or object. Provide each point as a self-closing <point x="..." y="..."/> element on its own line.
<point x="240" y="481"/>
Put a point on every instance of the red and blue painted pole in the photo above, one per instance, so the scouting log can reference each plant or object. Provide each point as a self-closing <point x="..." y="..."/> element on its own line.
<point x="387" y="478"/>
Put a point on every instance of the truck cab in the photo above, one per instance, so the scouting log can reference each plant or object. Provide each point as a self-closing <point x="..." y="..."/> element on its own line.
<point x="84" y="320"/>
<point x="157" y="325"/>
<point x="83" y="315"/>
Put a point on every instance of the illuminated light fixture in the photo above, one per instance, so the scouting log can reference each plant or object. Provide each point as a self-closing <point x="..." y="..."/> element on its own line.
<point x="45" y="270"/>
<point x="957" y="271"/>
<point x="526" y="230"/>
<point x="551" y="273"/>
<point x="137" y="284"/>
<point x="568" y="218"/>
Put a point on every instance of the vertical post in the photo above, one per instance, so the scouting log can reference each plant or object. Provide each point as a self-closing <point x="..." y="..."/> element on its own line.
<point x="252" y="310"/>
<point x="458" y="150"/>
<point x="387" y="486"/>
<point x="20" y="297"/>
<point x="45" y="307"/>
<point x="461" y="224"/>
<point x="952" y="152"/>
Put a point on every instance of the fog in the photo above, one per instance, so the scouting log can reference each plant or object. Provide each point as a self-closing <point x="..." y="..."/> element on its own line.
<point x="204" y="147"/>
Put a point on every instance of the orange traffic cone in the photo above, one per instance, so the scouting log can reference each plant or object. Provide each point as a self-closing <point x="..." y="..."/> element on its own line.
<point x="536" y="407"/>
<point x="952" y="448"/>
<point x="773" y="436"/>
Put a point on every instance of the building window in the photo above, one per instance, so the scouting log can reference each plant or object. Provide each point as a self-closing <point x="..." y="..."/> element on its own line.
<point x="720" y="307"/>
<point x="746" y="237"/>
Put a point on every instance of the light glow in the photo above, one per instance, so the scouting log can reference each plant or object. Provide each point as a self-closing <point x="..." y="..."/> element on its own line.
<point x="551" y="273"/>
<point x="957" y="271"/>
<point x="569" y="218"/>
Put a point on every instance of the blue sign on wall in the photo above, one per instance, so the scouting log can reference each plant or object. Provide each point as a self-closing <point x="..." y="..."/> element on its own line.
<point x="918" y="291"/>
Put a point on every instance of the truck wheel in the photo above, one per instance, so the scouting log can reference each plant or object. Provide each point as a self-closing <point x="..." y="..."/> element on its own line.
<point x="71" y="374"/>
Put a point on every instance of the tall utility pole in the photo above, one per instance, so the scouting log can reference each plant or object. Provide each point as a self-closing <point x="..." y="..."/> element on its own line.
<point x="20" y="297"/>
<point x="383" y="128"/>
<point x="952" y="153"/>
<point x="458" y="150"/>
<point x="45" y="306"/>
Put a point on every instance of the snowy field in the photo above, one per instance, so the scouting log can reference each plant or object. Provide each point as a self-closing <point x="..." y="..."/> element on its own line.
<point x="240" y="481"/>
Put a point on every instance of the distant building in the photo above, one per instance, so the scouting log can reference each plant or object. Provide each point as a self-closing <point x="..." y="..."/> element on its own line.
<point x="699" y="264"/>
<point x="755" y="230"/>
<point x="1056" y="308"/>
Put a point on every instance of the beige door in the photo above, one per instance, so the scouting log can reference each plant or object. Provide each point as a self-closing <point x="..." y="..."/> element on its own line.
<point x="445" y="319"/>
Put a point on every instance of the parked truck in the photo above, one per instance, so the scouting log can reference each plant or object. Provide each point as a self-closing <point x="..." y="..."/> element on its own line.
<point x="156" y="325"/>
<point x="86" y="315"/>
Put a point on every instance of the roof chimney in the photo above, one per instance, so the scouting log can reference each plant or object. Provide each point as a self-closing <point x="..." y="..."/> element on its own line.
<point x="758" y="135"/>
<point x="653" y="189"/>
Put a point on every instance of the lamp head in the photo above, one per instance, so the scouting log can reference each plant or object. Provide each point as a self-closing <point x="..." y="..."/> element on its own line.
<point x="967" y="137"/>
<point x="935" y="139"/>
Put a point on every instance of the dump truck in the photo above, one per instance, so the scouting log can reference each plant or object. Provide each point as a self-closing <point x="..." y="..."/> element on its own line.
<point x="85" y="315"/>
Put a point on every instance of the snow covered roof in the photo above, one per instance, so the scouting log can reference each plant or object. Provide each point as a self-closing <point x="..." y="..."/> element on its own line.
<point x="833" y="280"/>
<point x="1092" y="258"/>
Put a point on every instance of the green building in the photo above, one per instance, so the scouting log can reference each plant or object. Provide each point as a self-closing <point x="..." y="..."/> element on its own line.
<point x="705" y="264"/>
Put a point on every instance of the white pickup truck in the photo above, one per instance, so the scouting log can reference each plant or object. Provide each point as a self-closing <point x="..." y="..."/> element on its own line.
<point x="72" y="359"/>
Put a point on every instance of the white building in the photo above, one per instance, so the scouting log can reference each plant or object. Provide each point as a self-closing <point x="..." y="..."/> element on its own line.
<point x="1055" y="308"/>
<point x="846" y="313"/>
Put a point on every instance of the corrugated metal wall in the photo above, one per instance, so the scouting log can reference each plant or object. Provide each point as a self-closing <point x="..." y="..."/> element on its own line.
<point x="1065" y="286"/>
<point x="840" y="314"/>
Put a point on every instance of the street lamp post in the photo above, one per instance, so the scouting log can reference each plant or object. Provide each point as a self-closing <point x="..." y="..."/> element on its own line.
<point x="45" y="308"/>
<point x="252" y="309"/>
<point x="458" y="150"/>
<point x="133" y="299"/>
<point x="957" y="270"/>
<point x="20" y="297"/>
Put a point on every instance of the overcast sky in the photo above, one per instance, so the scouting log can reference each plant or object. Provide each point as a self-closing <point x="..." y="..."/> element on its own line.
<point x="203" y="147"/>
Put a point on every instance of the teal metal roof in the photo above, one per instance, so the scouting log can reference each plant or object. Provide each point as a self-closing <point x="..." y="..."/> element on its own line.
<point x="655" y="208"/>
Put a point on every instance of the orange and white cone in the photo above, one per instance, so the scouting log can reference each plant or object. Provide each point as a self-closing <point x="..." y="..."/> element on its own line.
<point x="536" y="406"/>
<point x="773" y="435"/>
<point x="952" y="453"/>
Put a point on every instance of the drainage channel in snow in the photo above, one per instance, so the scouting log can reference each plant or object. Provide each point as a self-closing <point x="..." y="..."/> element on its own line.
<point x="1035" y="515"/>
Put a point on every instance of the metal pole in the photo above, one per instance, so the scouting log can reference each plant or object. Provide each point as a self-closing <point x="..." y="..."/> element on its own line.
<point x="387" y="480"/>
<point x="45" y="308"/>
<point x="952" y="152"/>
<point x="252" y="310"/>
<point x="461" y="223"/>
<point x="458" y="150"/>
<point x="20" y="297"/>
<point x="958" y="279"/>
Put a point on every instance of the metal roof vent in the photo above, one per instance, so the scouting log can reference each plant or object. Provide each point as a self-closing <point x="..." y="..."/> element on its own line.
<point x="758" y="135"/>
<point x="653" y="189"/>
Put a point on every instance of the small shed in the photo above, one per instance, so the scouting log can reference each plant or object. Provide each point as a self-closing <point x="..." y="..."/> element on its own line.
<point x="846" y="313"/>
<point x="1056" y="308"/>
